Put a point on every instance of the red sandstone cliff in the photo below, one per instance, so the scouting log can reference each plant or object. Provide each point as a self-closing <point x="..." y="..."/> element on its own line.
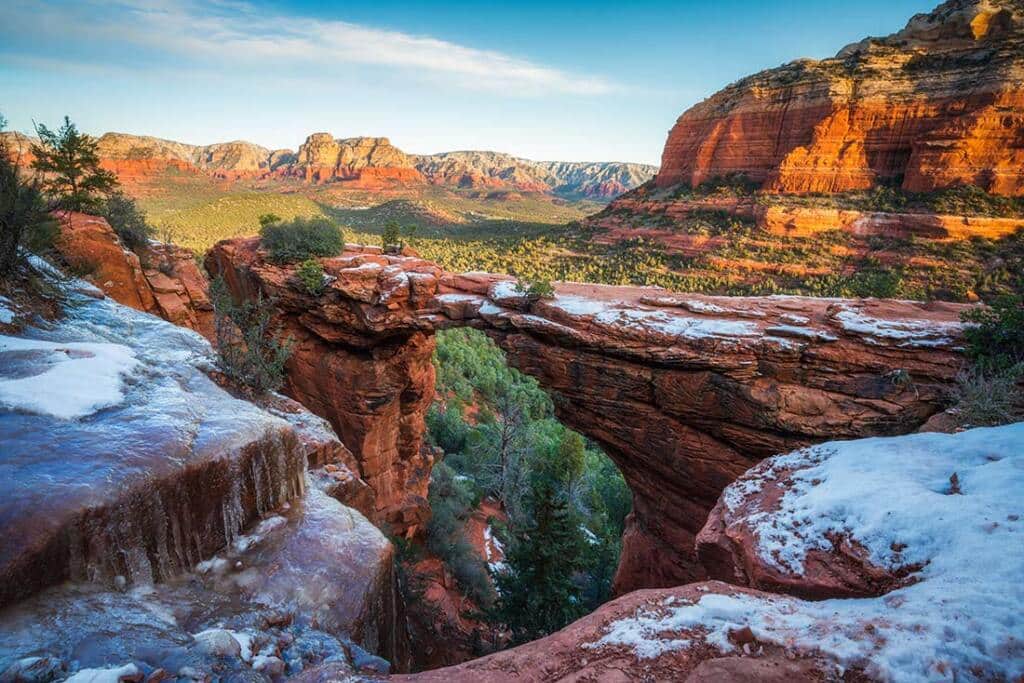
<point x="938" y="104"/>
<point x="165" y="280"/>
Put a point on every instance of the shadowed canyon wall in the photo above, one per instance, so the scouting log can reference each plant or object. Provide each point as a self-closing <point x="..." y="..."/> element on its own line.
<point x="684" y="392"/>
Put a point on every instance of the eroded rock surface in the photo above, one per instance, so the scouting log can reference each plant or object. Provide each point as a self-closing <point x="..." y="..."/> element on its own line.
<point x="361" y="359"/>
<point x="684" y="392"/>
<point x="169" y="524"/>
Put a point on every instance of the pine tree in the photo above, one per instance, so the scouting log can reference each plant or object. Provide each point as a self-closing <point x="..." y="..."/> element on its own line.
<point x="538" y="592"/>
<point x="71" y="169"/>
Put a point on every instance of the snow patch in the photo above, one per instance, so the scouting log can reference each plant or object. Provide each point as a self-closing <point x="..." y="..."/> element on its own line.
<point x="493" y="547"/>
<point x="505" y="289"/>
<point x="577" y="305"/>
<point x="104" y="675"/>
<point x="674" y="325"/>
<point x="457" y="298"/>
<point x="66" y="381"/>
<point x="909" y="332"/>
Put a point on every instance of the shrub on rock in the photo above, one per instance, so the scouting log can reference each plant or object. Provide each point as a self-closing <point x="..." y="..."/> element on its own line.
<point x="311" y="274"/>
<point x="248" y="350"/>
<point x="301" y="239"/>
<point x="127" y="220"/>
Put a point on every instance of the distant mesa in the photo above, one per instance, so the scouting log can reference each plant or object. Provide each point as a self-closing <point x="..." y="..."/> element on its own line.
<point x="360" y="163"/>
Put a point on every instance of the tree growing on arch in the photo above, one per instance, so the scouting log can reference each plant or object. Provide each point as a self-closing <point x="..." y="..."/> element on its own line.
<point x="70" y="167"/>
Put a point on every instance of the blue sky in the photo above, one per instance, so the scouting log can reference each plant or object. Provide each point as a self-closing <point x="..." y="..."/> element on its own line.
<point x="544" y="80"/>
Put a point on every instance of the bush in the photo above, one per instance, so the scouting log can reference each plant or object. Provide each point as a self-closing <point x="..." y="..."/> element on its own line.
<point x="127" y="220"/>
<point x="311" y="274"/>
<point x="536" y="290"/>
<point x="248" y="350"/>
<point x="451" y="503"/>
<point x="391" y="238"/>
<point x="268" y="219"/>
<point x="995" y="335"/>
<point x="301" y="239"/>
<point x="986" y="398"/>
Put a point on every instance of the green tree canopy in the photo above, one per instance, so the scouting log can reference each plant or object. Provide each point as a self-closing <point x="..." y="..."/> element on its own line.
<point x="71" y="169"/>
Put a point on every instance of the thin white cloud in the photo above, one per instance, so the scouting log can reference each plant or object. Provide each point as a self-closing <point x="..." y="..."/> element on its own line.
<point x="235" y="35"/>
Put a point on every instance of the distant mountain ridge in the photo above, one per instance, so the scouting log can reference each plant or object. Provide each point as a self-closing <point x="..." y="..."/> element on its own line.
<point x="365" y="163"/>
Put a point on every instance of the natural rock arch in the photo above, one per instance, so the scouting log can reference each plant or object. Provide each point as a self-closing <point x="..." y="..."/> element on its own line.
<point x="684" y="392"/>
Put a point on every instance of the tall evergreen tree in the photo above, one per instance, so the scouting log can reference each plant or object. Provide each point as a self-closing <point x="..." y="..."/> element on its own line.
<point x="71" y="169"/>
<point x="538" y="591"/>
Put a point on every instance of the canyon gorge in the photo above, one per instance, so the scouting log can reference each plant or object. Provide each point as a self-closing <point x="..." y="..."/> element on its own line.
<point x="807" y="503"/>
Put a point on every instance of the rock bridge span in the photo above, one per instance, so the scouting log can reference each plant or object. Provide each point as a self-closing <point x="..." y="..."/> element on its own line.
<point x="684" y="392"/>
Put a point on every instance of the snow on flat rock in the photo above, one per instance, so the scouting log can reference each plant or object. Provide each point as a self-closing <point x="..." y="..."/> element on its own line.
<point x="960" y="616"/>
<point x="113" y="675"/>
<point x="907" y="332"/>
<point x="675" y="325"/>
<point x="65" y="381"/>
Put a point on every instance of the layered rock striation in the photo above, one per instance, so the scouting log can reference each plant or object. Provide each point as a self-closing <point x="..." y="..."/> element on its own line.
<point x="684" y="392"/>
<point x="935" y="105"/>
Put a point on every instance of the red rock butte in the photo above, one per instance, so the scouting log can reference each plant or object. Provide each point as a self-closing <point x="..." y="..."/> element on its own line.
<point x="938" y="104"/>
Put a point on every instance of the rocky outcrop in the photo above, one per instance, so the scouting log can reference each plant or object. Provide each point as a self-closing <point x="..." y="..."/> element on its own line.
<point x="588" y="649"/>
<point x="170" y="511"/>
<point x="921" y="528"/>
<point x="630" y="217"/>
<point x="165" y="280"/>
<point x="360" y="358"/>
<point x="936" y="105"/>
<point x="364" y="160"/>
<point x="684" y="392"/>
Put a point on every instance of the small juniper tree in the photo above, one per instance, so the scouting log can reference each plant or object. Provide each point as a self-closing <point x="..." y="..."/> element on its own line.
<point x="249" y="351"/>
<point x="311" y="274"/>
<point x="391" y="238"/>
<point x="535" y="290"/>
<point x="71" y="169"/>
